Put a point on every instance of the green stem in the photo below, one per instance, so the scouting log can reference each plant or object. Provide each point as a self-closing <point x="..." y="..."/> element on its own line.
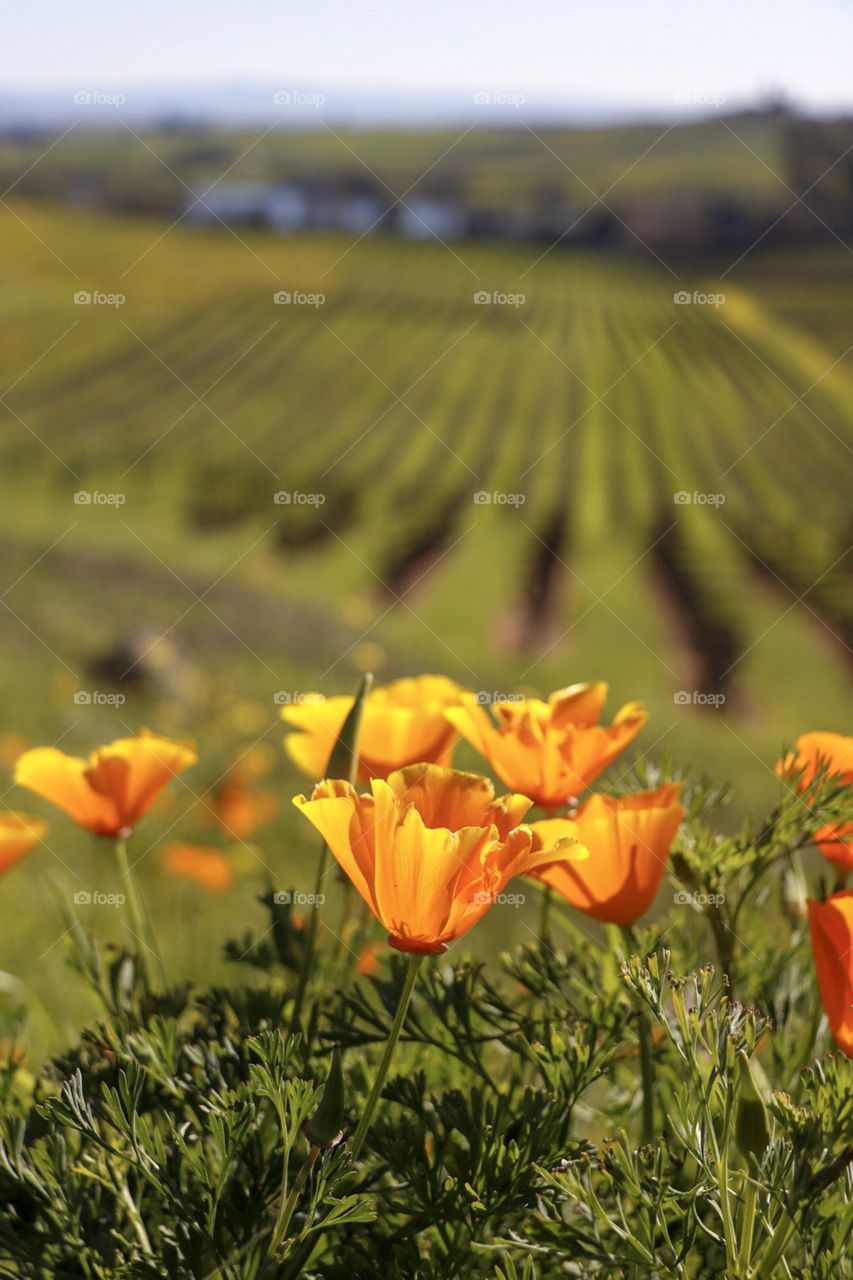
<point x="766" y="1264"/>
<point x="285" y="1212"/>
<point x="545" y="906"/>
<point x="307" y="965"/>
<point x="382" y="1072"/>
<point x="647" y="1073"/>
<point x="545" y="909"/>
<point x="136" y="1219"/>
<point x="726" y="1211"/>
<point x="134" y="909"/>
<point x="747" y="1227"/>
<point x="647" y="1069"/>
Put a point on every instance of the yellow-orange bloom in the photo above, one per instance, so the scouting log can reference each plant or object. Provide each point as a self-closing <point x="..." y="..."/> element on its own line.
<point x="835" y="752"/>
<point x="831" y="924"/>
<point x="19" y="833"/>
<point x="628" y="839"/>
<point x="110" y="791"/>
<point x="549" y="751"/>
<point x="205" y="866"/>
<point x="428" y="850"/>
<point x="240" y="811"/>
<point x="402" y="723"/>
<point x="368" y="961"/>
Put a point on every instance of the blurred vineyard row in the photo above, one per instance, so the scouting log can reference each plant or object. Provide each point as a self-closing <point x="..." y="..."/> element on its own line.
<point x="599" y="409"/>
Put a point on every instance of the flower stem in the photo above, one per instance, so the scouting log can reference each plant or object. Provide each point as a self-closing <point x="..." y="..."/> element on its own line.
<point x="648" y="1075"/>
<point x="285" y="1212"/>
<point x="647" y="1070"/>
<point x="310" y="942"/>
<point x="134" y="909"/>
<point x="773" y="1251"/>
<point x="747" y="1226"/>
<point x="545" y="911"/>
<point x="393" y="1037"/>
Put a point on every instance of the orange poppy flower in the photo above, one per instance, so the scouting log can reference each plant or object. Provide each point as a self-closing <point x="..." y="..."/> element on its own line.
<point x="628" y="841"/>
<point x="831" y="925"/>
<point x="18" y="835"/>
<point x="11" y="746"/>
<point x="240" y="811"/>
<point x="835" y="751"/>
<point x="549" y="751"/>
<point x="368" y="961"/>
<point x="428" y="850"/>
<point x="207" y="867"/>
<point x="114" y="788"/>
<point x="252" y="764"/>
<point x="402" y="723"/>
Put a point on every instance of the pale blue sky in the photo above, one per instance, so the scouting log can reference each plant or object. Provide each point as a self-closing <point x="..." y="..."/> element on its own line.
<point x="622" y="51"/>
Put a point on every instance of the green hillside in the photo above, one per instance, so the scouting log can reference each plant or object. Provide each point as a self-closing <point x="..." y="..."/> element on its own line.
<point x="580" y="412"/>
<point x="736" y="155"/>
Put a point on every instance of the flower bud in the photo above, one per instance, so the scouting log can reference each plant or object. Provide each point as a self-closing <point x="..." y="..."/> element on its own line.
<point x="752" y="1128"/>
<point x="324" y="1129"/>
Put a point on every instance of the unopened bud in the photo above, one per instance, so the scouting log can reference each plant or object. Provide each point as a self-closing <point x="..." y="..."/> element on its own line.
<point x="324" y="1129"/>
<point x="752" y="1128"/>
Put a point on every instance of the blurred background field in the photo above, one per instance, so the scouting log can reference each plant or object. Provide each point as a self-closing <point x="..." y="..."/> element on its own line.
<point x="318" y="430"/>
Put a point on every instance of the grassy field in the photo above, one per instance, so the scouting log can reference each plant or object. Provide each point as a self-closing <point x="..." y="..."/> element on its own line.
<point x="581" y="413"/>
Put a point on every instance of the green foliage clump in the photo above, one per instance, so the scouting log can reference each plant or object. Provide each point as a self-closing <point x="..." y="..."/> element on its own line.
<point x="604" y="1105"/>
